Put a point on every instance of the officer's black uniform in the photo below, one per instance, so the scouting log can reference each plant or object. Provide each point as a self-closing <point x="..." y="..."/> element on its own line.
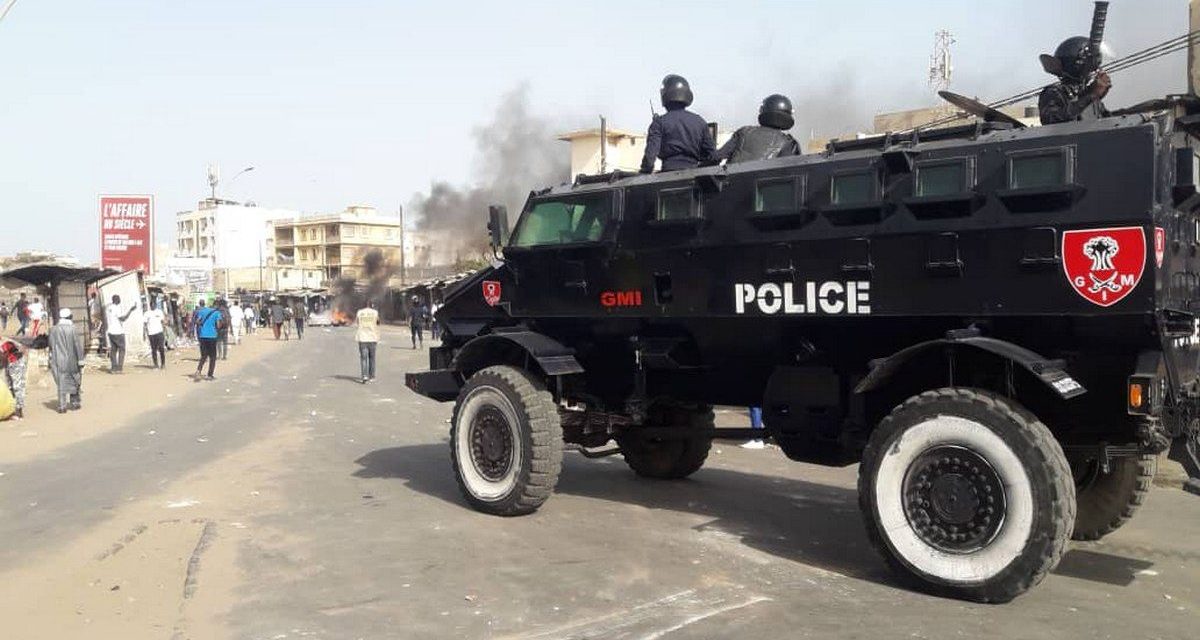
<point x="679" y="138"/>
<point x="769" y="139"/>
<point x="1070" y="99"/>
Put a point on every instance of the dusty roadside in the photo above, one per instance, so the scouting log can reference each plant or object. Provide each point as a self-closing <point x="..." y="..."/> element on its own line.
<point x="161" y="567"/>
<point x="109" y="400"/>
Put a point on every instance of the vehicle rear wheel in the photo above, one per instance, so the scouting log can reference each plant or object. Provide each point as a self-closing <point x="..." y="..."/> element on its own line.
<point x="1108" y="500"/>
<point x="966" y="494"/>
<point x="669" y="459"/>
<point x="505" y="442"/>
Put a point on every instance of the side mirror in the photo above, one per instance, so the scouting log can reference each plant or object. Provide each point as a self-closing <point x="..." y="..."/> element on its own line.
<point x="497" y="226"/>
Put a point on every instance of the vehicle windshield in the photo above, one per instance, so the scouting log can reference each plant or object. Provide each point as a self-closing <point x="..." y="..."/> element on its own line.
<point x="565" y="221"/>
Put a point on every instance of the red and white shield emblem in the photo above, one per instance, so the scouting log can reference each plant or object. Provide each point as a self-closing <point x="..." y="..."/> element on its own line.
<point x="491" y="292"/>
<point x="1104" y="265"/>
<point x="1160" y="245"/>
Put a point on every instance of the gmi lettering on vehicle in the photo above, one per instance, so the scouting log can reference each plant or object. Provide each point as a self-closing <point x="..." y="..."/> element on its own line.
<point x="621" y="298"/>
<point x="812" y="298"/>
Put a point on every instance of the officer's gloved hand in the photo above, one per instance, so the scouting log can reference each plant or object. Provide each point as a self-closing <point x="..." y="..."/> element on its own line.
<point x="1101" y="85"/>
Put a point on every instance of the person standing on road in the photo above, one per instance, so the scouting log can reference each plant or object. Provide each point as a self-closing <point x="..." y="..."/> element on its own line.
<point x="249" y="317"/>
<point x="277" y="317"/>
<point x="3" y="316"/>
<point x="208" y="326"/>
<point x="66" y="361"/>
<point x="156" y="334"/>
<point x="116" y="334"/>
<point x="223" y="329"/>
<point x="435" y="329"/>
<point x="367" y="336"/>
<point x="37" y="313"/>
<point x="22" y="308"/>
<point x="755" y="423"/>
<point x="237" y="319"/>
<point x="299" y="316"/>
<point x="12" y="357"/>
<point x="416" y="322"/>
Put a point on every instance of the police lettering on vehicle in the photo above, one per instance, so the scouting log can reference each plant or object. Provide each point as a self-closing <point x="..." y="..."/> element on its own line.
<point x="807" y="298"/>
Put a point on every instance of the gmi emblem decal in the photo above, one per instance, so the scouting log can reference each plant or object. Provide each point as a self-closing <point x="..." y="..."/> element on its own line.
<point x="1160" y="245"/>
<point x="1104" y="265"/>
<point x="491" y="292"/>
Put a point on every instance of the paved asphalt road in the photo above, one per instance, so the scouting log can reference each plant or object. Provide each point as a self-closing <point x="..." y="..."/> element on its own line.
<point x="380" y="544"/>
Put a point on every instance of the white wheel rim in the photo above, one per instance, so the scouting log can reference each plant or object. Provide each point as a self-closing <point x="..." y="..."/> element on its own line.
<point x="480" y="486"/>
<point x="954" y="568"/>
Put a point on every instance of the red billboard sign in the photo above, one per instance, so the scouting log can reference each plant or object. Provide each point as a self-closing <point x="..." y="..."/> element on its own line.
<point x="127" y="233"/>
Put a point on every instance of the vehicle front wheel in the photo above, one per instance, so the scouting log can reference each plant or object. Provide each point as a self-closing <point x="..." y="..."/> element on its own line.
<point x="505" y="442"/>
<point x="669" y="459"/>
<point x="1108" y="500"/>
<point x="967" y="494"/>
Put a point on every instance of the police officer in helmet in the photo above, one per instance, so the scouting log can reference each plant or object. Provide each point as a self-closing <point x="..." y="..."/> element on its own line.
<point x="1077" y="95"/>
<point x="767" y="140"/>
<point x="679" y="138"/>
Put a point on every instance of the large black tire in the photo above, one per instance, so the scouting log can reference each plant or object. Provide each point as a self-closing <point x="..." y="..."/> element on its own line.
<point x="505" y="442"/>
<point x="669" y="459"/>
<point x="966" y="494"/>
<point x="1108" y="500"/>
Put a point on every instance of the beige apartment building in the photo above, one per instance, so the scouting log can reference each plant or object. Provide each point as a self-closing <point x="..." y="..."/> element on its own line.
<point x="337" y="244"/>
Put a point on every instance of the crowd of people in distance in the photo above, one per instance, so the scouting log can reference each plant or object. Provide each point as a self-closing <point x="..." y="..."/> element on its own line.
<point x="166" y="324"/>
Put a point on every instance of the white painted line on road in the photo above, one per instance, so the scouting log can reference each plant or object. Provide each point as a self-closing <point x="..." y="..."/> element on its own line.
<point x="708" y="614"/>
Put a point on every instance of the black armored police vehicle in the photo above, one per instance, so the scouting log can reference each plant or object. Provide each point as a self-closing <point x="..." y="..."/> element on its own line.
<point x="998" y="323"/>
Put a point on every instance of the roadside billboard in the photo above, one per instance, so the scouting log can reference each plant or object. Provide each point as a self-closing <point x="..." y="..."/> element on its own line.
<point x="127" y="232"/>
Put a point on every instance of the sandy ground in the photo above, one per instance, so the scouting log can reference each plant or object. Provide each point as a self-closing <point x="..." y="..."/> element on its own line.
<point x="164" y="566"/>
<point x="108" y="400"/>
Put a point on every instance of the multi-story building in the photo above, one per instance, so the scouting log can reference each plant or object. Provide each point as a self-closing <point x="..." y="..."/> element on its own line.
<point x="337" y="244"/>
<point x="238" y="240"/>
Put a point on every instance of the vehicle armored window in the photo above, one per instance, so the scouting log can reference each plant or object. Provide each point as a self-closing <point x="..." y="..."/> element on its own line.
<point x="1040" y="168"/>
<point x="943" y="188"/>
<point x="561" y="221"/>
<point x="777" y="195"/>
<point x="854" y="188"/>
<point x="677" y="204"/>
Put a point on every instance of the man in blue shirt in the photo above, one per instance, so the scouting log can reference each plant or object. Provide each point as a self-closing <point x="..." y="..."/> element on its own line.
<point x="680" y="138"/>
<point x="208" y="322"/>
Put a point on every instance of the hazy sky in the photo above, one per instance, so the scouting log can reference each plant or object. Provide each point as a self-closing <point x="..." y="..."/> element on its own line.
<point x="351" y="101"/>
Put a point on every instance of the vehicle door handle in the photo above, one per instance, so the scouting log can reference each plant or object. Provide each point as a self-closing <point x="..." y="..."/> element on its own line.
<point x="778" y="271"/>
<point x="576" y="284"/>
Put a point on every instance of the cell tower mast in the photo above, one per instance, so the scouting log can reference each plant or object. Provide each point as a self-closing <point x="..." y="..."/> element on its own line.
<point x="940" y="68"/>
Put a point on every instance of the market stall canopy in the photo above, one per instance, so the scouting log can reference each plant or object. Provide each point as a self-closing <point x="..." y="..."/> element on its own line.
<point x="50" y="272"/>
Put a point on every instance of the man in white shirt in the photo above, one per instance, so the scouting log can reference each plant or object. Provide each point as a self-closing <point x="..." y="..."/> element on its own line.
<point x="36" y="313"/>
<point x="367" y="336"/>
<point x="154" y="320"/>
<point x="115" y="320"/>
<point x="237" y="321"/>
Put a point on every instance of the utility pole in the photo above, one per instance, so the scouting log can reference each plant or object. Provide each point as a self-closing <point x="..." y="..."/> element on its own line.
<point x="603" y="145"/>
<point x="7" y="7"/>
<point x="402" y="266"/>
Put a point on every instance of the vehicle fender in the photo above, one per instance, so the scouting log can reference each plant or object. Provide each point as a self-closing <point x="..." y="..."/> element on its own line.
<point x="1051" y="372"/>
<point x="553" y="357"/>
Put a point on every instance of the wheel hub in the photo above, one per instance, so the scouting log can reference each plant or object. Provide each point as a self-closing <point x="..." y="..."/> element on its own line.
<point x="953" y="499"/>
<point x="491" y="443"/>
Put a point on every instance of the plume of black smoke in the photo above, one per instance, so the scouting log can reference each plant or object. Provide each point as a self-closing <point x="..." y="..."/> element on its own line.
<point x="349" y="297"/>
<point x="514" y="153"/>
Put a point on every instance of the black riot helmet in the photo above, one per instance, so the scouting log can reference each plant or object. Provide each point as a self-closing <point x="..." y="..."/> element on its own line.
<point x="675" y="91"/>
<point x="1076" y="59"/>
<point x="776" y="112"/>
